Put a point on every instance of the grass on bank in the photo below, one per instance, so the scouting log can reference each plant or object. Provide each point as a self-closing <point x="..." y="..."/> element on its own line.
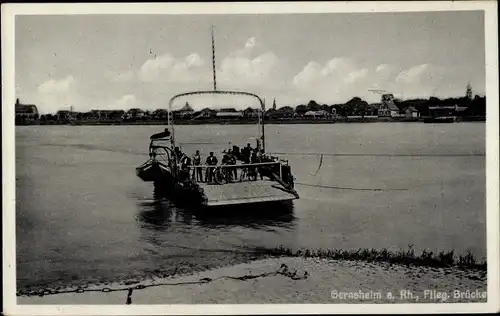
<point x="407" y="257"/>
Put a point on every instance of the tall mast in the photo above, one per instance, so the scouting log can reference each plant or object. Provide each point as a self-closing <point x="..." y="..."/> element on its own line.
<point x="213" y="60"/>
<point x="262" y="114"/>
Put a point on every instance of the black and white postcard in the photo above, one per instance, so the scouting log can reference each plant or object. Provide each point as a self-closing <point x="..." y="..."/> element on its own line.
<point x="250" y="158"/>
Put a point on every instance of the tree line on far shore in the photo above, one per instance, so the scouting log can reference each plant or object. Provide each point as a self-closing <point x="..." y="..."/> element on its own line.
<point x="476" y="106"/>
<point x="359" y="107"/>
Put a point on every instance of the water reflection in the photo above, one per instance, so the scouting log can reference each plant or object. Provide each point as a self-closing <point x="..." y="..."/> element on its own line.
<point x="155" y="214"/>
<point x="250" y="216"/>
<point x="202" y="238"/>
<point x="160" y="213"/>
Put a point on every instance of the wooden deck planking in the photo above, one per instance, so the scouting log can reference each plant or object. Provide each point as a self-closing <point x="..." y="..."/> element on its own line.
<point x="245" y="193"/>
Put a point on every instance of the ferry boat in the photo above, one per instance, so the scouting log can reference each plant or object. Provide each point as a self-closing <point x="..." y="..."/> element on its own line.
<point x="269" y="180"/>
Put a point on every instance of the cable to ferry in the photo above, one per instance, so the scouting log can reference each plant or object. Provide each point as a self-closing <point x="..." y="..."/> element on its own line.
<point x="377" y="155"/>
<point x="323" y="186"/>
<point x="346" y="188"/>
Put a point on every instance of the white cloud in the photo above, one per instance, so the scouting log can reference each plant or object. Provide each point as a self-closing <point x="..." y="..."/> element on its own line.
<point x="53" y="86"/>
<point x="421" y="80"/>
<point x="310" y="72"/>
<point x="125" y="102"/>
<point x="381" y="68"/>
<point x="340" y="79"/>
<point x="251" y="66"/>
<point x="185" y="70"/>
<point x="337" y="80"/>
<point x="385" y="70"/>
<point x="413" y="74"/>
<point x="250" y="49"/>
<point x="193" y="60"/>
<point x="62" y="94"/>
<point x="261" y="70"/>
<point x="356" y="75"/>
<point x="338" y="65"/>
<point x="335" y="70"/>
<point x="250" y="42"/>
<point x="153" y="68"/>
<point x="166" y="68"/>
<point x="57" y="94"/>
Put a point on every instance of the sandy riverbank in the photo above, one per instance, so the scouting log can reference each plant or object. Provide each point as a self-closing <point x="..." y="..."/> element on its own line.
<point x="313" y="282"/>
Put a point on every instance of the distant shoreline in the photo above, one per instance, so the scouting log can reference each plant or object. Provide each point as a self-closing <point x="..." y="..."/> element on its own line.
<point x="246" y="122"/>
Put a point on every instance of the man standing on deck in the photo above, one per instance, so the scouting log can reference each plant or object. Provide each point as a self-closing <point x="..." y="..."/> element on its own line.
<point x="232" y="161"/>
<point x="211" y="161"/>
<point x="185" y="165"/>
<point x="226" y="160"/>
<point x="264" y="170"/>
<point x="255" y="159"/>
<point x="246" y="153"/>
<point x="178" y="153"/>
<point x="197" y="173"/>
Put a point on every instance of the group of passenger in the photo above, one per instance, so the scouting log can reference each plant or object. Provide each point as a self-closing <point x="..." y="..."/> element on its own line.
<point x="247" y="155"/>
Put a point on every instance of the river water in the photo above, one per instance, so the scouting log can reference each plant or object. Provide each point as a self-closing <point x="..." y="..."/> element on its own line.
<point x="83" y="216"/>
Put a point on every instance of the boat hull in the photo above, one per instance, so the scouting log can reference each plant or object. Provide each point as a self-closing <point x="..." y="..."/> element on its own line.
<point x="242" y="194"/>
<point x="154" y="171"/>
<point x="183" y="194"/>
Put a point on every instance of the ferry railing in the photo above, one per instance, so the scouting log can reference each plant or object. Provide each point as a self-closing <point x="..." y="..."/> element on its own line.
<point x="192" y="172"/>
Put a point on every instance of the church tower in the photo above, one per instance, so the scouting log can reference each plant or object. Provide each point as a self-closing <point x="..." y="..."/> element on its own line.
<point x="468" y="93"/>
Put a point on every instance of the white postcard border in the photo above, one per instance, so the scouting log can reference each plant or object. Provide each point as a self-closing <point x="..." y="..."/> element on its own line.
<point x="9" y="11"/>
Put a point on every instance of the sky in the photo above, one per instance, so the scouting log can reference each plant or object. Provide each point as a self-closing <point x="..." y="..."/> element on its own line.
<point x="125" y="61"/>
